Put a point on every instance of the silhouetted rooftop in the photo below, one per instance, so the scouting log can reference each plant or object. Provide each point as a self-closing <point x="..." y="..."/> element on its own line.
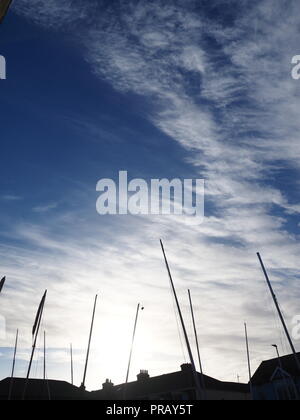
<point x="267" y="368"/>
<point x="168" y="383"/>
<point x="39" y="389"/>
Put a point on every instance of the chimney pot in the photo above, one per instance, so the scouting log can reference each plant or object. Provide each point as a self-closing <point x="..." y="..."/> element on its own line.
<point x="108" y="384"/>
<point x="143" y="375"/>
<point x="186" y="367"/>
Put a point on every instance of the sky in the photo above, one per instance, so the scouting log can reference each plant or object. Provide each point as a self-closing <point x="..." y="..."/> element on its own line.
<point x="162" y="89"/>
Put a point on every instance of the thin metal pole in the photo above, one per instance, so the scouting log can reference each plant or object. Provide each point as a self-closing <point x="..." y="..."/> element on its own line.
<point x="89" y="344"/>
<point x="249" y="363"/>
<point x="34" y="347"/>
<point x="44" y="355"/>
<point x="45" y="370"/>
<point x="197" y="344"/>
<point x="282" y="372"/>
<point x="34" y="344"/>
<point x="72" y="368"/>
<point x="131" y="349"/>
<point x="13" y="367"/>
<point x="278" y="355"/>
<point x="2" y="283"/>
<point x="279" y="312"/>
<point x="132" y="342"/>
<point x="196" y="378"/>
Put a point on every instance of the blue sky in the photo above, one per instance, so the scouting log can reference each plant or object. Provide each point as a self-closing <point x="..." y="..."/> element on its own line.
<point x="162" y="89"/>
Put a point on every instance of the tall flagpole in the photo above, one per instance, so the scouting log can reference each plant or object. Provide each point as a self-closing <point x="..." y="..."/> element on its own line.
<point x="131" y="348"/>
<point x="36" y="330"/>
<point x="45" y="370"/>
<point x="44" y="355"/>
<point x="196" y="378"/>
<point x="89" y="344"/>
<point x="132" y="343"/>
<point x="197" y="344"/>
<point x="72" y="368"/>
<point x="279" y="312"/>
<point x="249" y="362"/>
<point x="2" y="282"/>
<point x="13" y="367"/>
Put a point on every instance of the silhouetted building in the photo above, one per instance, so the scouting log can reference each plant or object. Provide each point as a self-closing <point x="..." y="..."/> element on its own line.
<point x="39" y="389"/>
<point x="177" y="386"/>
<point x="277" y="380"/>
<point x="174" y="386"/>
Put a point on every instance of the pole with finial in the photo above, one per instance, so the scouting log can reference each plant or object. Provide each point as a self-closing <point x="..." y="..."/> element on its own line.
<point x="89" y="344"/>
<point x="132" y="346"/>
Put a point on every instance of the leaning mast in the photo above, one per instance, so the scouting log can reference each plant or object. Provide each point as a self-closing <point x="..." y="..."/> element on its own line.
<point x="197" y="342"/>
<point x="132" y="342"/>
<point x="197" y="384"/>
<point x="279" y="312"/>
<point x="35" y="333"/>
<point x="89" y="344"/>
<point x="248" y="359"/>
<point x="2" y="283"/>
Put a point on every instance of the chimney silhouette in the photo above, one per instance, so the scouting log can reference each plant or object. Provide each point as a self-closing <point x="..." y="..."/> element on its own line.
<point x="186" y="367"/>
<point x="143" y="375"/>
<point x="108" y="385"/>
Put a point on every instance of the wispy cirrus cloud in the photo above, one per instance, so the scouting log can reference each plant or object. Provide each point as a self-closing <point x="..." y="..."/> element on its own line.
<point x="53" y="13"/>
<point x="11" y="197"/>
<point x="45" y="208"/>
